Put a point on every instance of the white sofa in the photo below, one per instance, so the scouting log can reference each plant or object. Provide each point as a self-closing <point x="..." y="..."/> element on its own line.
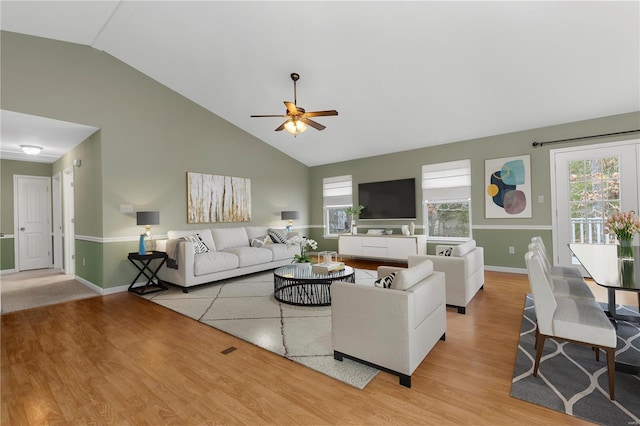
<point x="230" y="254"/>
<point x="463" y="266"/>
<point x="392" y="329"/>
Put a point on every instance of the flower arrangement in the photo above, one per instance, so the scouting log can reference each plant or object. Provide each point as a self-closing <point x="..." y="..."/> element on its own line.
<point x="624" y="224"/>
<point x="304" y="243"/>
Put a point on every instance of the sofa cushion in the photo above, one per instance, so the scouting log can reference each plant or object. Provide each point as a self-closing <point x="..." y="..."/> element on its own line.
<point x="198" y="245"/>
<point x="409" y="277"/>
<point x="282" y="251"/>
<point x="256" y="231"/>
<point x="385" y="282"/>
<point x="248" y="256"/>
<point x="277" y="235"/>
<point x="230" y="237"/>
<point x="213" y="261"/>
<point x="205" y="235"/>
<point x="464" y="248"/>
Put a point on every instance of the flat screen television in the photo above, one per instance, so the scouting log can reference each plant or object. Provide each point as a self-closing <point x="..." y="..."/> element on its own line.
<point x="391" y="199"/>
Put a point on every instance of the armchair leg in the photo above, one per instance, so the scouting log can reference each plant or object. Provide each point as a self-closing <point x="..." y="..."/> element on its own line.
<point x="337" y="355"/>
<point x="405" y="380"/>
<point x="443" y="337"/>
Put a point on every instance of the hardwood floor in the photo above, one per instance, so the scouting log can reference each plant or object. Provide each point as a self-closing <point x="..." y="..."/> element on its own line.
<point x="122" y="360"/>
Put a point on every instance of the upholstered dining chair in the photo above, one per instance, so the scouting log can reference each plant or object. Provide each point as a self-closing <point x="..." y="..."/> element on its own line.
<point x="576" y="320"/>
<point x="566" y="286"/>
<point x="558" y="271"/>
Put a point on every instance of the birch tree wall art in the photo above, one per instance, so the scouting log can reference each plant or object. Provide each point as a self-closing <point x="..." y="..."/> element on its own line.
<point x="215" y="198"/>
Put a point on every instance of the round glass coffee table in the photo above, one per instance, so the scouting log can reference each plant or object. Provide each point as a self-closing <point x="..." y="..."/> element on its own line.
<point x="300" y="287"/>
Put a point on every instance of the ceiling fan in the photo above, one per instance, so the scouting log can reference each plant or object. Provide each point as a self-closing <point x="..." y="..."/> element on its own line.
<point x="297" y="118"/>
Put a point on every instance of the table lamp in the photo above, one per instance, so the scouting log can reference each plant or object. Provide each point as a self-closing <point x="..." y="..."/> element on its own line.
<point x="147" y="219"/>
<point x="289" y="215"/>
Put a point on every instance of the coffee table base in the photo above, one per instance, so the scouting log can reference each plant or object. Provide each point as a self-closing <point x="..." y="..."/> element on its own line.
<point x="305" y="292"/>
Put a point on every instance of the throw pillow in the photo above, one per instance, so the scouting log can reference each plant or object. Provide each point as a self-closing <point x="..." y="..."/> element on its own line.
<point x="198" y="245"/>
<point x="277" y="235"/>
<point x="385" y="282"/>
<point x="446" y="252"/>
<point x="260" y="241"/>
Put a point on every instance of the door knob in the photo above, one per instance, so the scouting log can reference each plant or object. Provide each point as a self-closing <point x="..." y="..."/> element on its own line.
<point x="22" y="229"/>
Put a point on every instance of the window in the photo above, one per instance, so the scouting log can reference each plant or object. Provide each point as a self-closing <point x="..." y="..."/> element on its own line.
<point x="336" y="193"/>
<point x="446" y="195"/>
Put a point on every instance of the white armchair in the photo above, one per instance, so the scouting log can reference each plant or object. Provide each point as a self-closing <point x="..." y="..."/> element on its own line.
<point x="463" y="266"/>
<point x="392" y="329"/>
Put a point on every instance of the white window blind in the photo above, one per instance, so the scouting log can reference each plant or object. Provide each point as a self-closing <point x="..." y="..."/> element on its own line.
<point x="446" y="181"/>
<point x="337" y="190"/>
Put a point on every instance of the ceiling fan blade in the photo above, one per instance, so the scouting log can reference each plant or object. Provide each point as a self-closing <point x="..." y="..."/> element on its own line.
<point x="291" y="107"/>
<point x="313" y="124"/>
<point x="321" y="113"/>
<point x="280" y="127"/>
<point x="269" y="115"/>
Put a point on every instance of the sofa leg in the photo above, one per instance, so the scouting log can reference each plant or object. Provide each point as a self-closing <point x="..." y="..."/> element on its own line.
<point x="185" y="290"/>
<point x="405" y="380"/>
<point x="462" y="310"/>
<point x="443" y="337"/>
<point x="337" y="355"/>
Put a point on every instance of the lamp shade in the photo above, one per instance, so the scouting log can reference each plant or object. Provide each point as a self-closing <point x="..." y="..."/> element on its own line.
<point x="289" y="215"/>
<point x="147" y="218"/>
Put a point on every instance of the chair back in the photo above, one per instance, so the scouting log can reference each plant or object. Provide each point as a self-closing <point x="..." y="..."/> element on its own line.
<point x="544" y="302"/>
<point x="544" y="254"/>
<point x="546" y="265"/>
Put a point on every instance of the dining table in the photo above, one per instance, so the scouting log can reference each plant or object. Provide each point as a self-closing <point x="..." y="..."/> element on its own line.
<point x="607" y="270"/>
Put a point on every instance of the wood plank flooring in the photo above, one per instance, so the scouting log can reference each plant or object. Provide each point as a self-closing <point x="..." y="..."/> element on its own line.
<point x="122" y="360"/>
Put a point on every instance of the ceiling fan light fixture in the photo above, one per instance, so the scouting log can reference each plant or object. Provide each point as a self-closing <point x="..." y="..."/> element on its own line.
<point x="294" y="126"/>
<point x="31" y="149"/>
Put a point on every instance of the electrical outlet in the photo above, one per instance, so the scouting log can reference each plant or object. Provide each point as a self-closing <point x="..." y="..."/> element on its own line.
<point x="512" y="250"/>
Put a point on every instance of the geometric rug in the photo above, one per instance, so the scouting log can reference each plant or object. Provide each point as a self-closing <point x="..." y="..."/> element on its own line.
<point x="571" y="381"/>
<point x="245" y="308"/>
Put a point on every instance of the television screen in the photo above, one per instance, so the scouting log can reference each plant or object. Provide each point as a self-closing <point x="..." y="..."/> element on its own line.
<point x="392" y="199"/>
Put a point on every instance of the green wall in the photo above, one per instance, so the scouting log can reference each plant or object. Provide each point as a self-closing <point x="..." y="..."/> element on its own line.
<point x="495" y="235"/>
<point x="149" y="138"/>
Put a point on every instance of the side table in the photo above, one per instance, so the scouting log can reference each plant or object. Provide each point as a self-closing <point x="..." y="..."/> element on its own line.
<point x="142" y="262"/>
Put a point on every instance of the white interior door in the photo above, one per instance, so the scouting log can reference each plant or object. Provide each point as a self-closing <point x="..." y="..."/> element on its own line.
<point x="32" y="222"/>
<point x="591" y="183"/>
<point x="68" y="197"/>
<point x="57" y="220"/>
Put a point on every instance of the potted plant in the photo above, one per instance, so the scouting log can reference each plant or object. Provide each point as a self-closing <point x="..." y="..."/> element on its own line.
<point x="353" y="212"/>
<point x="302" y="260"/>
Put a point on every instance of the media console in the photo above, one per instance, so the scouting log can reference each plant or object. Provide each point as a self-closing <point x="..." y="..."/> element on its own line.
<point x="391" y="247"/>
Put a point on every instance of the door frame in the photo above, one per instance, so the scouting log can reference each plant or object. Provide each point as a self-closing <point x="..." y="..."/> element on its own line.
<point x="68" y="197"/>
<point x="56" y="193"/>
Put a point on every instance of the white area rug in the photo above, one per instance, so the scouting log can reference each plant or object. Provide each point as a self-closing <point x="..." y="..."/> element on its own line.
<point x="41" y="287"/>
<point x="245" y="307"/>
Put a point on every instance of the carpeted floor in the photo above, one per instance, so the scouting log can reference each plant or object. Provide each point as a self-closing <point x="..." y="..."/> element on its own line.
<point x="571" y="381"/>
<point x="245" y="307"/>
<point x="40" y="287"/>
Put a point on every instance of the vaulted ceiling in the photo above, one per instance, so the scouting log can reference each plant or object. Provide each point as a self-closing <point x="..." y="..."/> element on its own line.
<point x="402" y="75"/>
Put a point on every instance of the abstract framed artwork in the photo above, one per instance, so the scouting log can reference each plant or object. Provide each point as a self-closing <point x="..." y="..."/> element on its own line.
<point x="508" y="187"/>
<point x="215" y="198"/>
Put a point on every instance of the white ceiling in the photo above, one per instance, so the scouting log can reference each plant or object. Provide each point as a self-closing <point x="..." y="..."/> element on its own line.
<point x="55" y="137"/>
<point x="402" y="75"/>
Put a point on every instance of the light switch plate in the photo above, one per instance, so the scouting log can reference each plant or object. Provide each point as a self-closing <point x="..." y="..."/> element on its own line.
<point x="126" y="208"/>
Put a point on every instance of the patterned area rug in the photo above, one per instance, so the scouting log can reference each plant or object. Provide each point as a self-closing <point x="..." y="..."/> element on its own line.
<point x="571" y="381"/>
<point x="245" y="307"/>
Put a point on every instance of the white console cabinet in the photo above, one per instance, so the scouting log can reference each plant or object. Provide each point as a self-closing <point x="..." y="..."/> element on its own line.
<point x="392" y="247"/>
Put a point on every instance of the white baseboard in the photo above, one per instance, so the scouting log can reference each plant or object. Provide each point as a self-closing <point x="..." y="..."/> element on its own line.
<point x="7" y="271"/>
<point x="102" y="291"/>
<point x="505" y="269"/>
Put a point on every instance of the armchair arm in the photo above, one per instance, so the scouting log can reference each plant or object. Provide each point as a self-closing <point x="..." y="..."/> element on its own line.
<point x="383" y="271"/>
